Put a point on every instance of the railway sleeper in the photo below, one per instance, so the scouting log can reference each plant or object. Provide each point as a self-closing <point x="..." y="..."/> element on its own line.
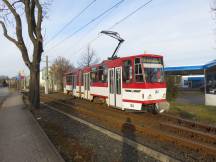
<point x="189" y="133"/>
<point x="202" y="149"/>
<point x="191" y="124"/>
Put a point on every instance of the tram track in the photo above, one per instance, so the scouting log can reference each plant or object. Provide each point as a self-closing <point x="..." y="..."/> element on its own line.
<point x="173" y="130"/>
<point x="140" y="147"/>
<point x="190" y="124"/>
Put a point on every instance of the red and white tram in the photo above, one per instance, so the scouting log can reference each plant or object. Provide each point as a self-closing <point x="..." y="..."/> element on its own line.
<point x="134" y="82"/>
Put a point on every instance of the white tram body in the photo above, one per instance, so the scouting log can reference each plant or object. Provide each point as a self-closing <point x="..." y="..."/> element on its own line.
<point x="134" y="82"/>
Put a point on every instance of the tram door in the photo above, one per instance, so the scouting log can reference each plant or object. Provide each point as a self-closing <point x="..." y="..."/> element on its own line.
<point x="74" y="84"/>
<point x="115" y="87"/>
<point x="86" y="78"/>
<point x="80" y="81"/>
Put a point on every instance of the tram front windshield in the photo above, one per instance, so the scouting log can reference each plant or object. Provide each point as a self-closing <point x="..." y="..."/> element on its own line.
<point x="154" y="74"/>
<point x="148" y="69"/>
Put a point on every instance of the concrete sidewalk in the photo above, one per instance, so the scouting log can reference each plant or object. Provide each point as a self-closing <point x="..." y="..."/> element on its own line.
<point x="21" y="138"/>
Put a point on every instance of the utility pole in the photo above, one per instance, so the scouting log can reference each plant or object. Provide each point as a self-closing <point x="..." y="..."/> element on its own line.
<point x="47" y="79"/>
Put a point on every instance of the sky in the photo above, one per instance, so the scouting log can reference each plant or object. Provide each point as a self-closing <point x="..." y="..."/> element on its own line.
<point x="183" y="31"/>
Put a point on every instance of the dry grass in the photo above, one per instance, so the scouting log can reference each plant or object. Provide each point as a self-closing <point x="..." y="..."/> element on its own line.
<point x="200" y="113"/>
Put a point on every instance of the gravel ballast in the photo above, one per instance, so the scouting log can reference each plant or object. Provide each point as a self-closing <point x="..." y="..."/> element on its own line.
<point x="85" y="143"/>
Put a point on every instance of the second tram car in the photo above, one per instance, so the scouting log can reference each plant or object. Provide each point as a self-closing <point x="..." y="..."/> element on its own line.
<point x="134" y="82"/>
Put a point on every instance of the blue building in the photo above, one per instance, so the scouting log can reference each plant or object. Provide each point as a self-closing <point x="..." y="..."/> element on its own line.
<point x="209" y="80"/>
<point x="192" y="81"/>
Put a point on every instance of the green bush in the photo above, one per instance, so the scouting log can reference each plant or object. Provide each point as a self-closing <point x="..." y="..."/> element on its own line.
<point x="172" y="88"/>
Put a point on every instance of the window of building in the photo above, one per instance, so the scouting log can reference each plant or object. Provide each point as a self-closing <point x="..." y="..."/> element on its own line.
<point x="211" y="81"/>
<point x="185" y="82"/>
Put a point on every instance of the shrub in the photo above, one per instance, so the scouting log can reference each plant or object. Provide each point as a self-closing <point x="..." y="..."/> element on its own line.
<point x="172" y="88"/>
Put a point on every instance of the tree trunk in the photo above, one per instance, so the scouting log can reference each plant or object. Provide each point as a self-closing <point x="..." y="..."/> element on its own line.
<point x="34" y="95"/>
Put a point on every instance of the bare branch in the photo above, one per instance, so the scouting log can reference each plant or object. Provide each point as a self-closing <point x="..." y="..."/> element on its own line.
<point x="33" y="15"/>
<point x="3" y="9"/>
<point x="13" y="4"/>
<point x="18" y="21"/>
<point x="39" y="19"/>
<point x="6" y="34"/>
<point x="60" y="66"/>
<point x="88" y="58"/>
<point x="31" y="27"/>
<point x="20" y="43"/>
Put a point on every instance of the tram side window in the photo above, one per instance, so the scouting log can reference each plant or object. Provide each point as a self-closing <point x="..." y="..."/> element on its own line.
<point x="138" y="70"/>
<point x="77" y="79"/>
<point x="99" y="74"/>
<point x="118" y="81"/>
<point x="127" y="71"/>
<point x="74" y="81"/>
<point x="84" y="81"/>
<point x="111" y="81"/>
<point x="88" y="82"/>
<point x="102" y="74"/>
<point x="68" y="79"/>
<point x="105" y="73"/>
<point x="94" y="76"/>
<point x="80" y="78"/>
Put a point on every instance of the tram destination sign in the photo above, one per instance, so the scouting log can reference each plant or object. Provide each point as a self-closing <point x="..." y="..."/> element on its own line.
<point x="152" y="60"/>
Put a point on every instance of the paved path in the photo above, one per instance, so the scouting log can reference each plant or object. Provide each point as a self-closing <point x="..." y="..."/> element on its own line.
<point x="191" y="97"/>
<point x="21" y="138"/>
<point x="3" y="93"/>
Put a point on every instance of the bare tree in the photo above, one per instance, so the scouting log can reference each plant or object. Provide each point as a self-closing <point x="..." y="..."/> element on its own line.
<point x="60" y="66"/>
<point x="88" y="58"/>
<point x="30" y="13"/>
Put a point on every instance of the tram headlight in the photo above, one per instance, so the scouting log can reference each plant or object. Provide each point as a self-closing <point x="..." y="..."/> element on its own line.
<point x="150" y="96"/>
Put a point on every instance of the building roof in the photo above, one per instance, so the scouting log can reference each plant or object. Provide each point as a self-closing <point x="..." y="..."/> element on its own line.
<point x="183" y="68"/>
<point x="189" y="70"/>
<point x="210" y="64"/>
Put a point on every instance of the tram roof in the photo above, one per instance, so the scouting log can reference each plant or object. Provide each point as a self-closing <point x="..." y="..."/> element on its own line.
<point x="111" y="63"/>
